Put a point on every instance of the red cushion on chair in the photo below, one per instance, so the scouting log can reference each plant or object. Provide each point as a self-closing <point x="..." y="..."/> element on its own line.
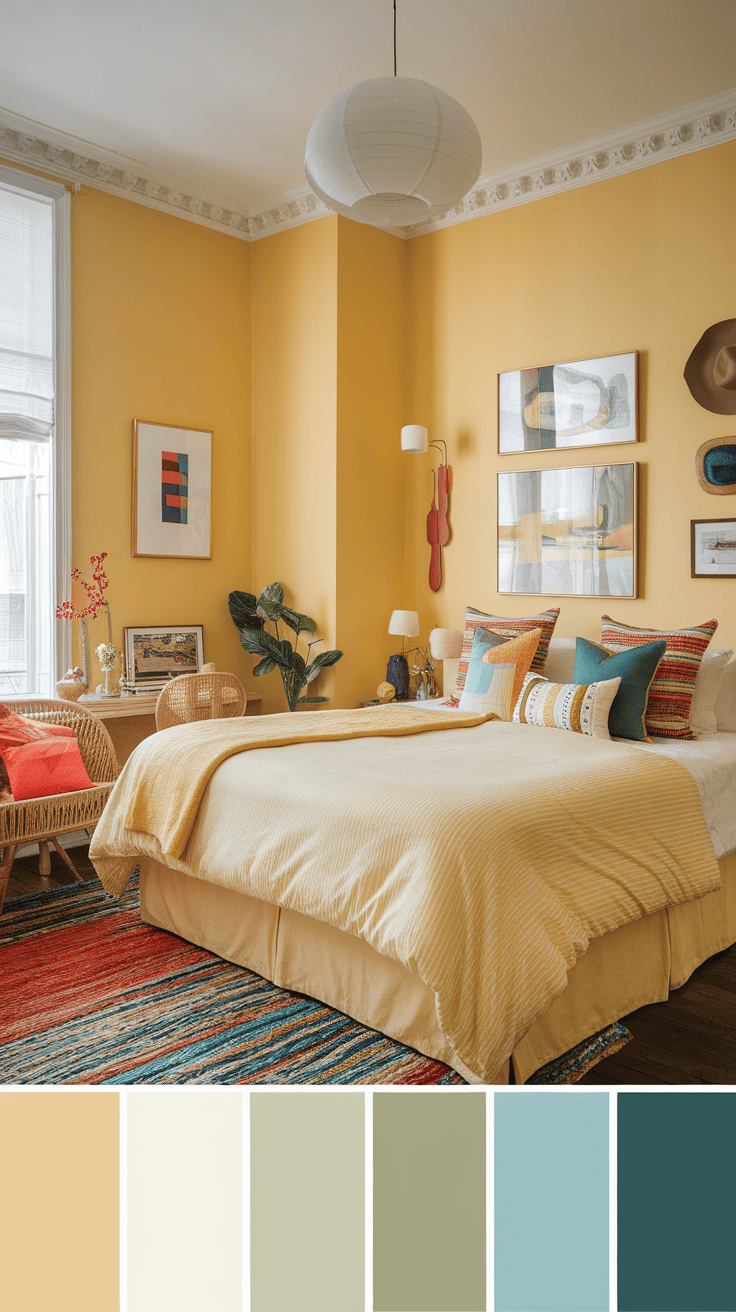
<point x="42" y="769"/>
<point x="16" y="729"/>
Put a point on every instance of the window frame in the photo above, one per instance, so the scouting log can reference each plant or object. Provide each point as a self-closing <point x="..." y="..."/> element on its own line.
<point x="28" y="184"/>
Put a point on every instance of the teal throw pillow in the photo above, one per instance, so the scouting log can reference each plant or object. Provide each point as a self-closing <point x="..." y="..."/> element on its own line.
<point x="636" y="668"/>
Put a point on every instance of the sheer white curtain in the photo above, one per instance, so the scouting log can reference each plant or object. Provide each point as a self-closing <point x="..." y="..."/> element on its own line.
<point x="27" y="434"/>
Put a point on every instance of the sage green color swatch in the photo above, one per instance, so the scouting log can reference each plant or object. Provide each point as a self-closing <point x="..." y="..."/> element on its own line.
<point x="676" y="1202"/>
<point x="307" y="1202"/>
<point x="429" y="1201"/>
<point x="551" y="1209"/>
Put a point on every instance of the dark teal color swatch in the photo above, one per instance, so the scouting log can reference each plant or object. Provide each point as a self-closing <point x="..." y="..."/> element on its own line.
<point x="677" y="1202"/>
<point x="551" y="1201"/>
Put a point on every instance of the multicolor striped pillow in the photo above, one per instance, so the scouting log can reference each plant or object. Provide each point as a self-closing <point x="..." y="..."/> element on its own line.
<point x="505" y="628"/>
<point x="671" y="691"/>
<point x="577" y="707"/>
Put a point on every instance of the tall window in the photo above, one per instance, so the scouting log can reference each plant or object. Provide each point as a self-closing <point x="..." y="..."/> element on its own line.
<point x="34" y="430"/>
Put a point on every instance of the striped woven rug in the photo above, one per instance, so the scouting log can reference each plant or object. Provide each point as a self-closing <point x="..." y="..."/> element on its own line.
<point x="90" y="995"/>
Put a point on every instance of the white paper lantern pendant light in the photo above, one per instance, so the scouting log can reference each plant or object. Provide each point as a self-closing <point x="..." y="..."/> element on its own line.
<point x="392" y="152"/>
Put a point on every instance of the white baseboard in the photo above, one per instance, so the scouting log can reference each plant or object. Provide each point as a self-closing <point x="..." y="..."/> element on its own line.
<point x="76" y="839"/>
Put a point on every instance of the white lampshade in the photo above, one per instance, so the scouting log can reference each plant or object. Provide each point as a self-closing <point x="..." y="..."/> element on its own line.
<point x="414" y="439"/>
<point x="446" y="644"/>
<point x="405" y="623"/>
<point x="392" y="151"/>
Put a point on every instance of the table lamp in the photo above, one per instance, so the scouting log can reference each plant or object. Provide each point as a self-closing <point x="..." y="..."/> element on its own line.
<point x="404" y="623"/>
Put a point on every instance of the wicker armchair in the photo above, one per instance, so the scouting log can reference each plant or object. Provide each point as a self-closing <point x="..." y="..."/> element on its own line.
<point x="200" y="697"/>
<point x="42" y="819"/>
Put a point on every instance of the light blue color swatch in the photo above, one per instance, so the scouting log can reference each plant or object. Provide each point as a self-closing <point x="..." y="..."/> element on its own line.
<point x="551" y="1201"/>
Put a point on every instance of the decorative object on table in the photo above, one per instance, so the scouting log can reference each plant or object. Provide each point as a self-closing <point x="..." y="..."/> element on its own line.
<point x="403" y="624"/>
<point x="385" y="692"/>
<point x="71" y="687"/>
<point x="424" y="668"/>
<point x="715" y="465"/>
<point x="107" y="655"/>
<point x="156" y="653"/>
<point x="87" y="602"/>
<point x="713" y="548"/>
<point x="710" y="372"/>
<point x="584" y="403"/>
<point x="392" y="151"/>
<point x="414" y="439"/>
<point x="568" y="532"/>
<point x="250" y="614"/>
<point x="172" y="491"/>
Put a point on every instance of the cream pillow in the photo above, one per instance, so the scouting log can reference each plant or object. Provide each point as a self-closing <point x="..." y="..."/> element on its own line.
<point x="577" y="707"/>
<point x="726" y="700"/>
<point x="560" y="660"/>
<point x="491" y="695"/>
<point x="707" y="688"/>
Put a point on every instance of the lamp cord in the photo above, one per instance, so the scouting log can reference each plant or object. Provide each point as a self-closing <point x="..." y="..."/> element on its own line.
<point x="394" y="38"/>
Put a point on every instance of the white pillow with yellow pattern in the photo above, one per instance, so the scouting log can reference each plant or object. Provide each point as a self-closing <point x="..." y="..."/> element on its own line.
<point x="577" y="707"/>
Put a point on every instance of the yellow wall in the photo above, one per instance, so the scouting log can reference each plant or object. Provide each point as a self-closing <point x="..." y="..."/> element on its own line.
<point x="638" y="262"/>
<point x="328" y="381"/>
<point x="160" y="331"/>
<point x="294" y="425"/>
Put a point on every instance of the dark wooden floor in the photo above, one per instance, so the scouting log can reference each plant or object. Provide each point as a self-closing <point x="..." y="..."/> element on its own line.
<point x="690" y="1039"/>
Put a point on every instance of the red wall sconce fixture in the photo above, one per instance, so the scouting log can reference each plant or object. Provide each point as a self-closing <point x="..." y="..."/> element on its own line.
<point x="414" y="439"/>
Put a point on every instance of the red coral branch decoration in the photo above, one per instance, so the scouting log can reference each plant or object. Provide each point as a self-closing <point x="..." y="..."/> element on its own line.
<point x="94" y="592"/>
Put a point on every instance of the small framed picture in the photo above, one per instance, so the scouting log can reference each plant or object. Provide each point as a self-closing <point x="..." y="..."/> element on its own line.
<point x="155" y="653"/>
<point x="582" y="403"/>
<point x="713" y="548"/>
<point x="172" y="491"/>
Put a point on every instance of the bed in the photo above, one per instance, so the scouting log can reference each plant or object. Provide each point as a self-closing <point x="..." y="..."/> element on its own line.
<point x="621" y="901"/>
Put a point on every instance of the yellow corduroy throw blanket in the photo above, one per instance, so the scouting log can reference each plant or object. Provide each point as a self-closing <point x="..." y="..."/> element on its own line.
<point x="162" y="784"/>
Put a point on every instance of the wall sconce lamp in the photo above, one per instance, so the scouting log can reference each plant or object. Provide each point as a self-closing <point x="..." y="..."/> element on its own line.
<point x="414" y="439"/>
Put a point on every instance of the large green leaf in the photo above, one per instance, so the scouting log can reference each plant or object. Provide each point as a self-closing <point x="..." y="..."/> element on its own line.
<point x="298" y="622"/>
<point x="242" y="607"/>
<point x="264" y="667"/>
<point x="298" y="664"/>
<point x="302" y="700"/>
<point x="269" y="602"/>
<point x="323" y="659"/>
<point x="287" y="652"/>
<point x="260" y="643"/>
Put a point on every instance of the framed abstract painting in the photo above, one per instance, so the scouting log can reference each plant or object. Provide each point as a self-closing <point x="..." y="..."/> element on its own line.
<point x="584" y="403"/>
<point x="172" y="491"/>
<point x="155" y="653"/>
<point x="568" y="532"/>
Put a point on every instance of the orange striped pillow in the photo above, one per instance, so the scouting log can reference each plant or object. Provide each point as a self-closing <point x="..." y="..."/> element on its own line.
<point x="505" y="628"/>
<point x="671" y="689"/>
<point x="519" y="652"/>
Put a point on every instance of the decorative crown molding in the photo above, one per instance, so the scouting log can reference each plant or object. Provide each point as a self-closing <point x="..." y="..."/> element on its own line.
<point x="679" y="132"/>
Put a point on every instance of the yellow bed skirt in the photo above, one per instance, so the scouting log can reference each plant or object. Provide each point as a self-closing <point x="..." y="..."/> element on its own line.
<point x="621" y="971"/>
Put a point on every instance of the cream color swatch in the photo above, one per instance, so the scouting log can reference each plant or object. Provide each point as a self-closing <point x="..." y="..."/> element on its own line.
<point x="59" y="1201"/>
<point x="184" y="1199"/>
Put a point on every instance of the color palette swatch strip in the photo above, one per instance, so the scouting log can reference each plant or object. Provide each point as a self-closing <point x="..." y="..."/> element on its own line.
<point x="367" y="1201"/>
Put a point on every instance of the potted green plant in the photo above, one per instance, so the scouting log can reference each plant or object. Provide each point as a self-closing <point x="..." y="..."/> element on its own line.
<point x="251" y="614"/>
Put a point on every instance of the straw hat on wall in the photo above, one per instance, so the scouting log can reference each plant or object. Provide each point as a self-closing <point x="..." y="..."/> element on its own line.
<point x="710" y="373"/>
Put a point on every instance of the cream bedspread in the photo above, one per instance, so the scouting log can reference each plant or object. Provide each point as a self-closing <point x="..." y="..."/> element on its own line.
<point x="484" y="857"/>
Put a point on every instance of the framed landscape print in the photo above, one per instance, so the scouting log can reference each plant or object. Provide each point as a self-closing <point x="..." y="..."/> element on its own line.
<point x="568" y="532"/>
<point x="585" y="403"/>
<point x="172" y="491"/>
<point x="155" y="652"/>
<point x="713" y="548"/>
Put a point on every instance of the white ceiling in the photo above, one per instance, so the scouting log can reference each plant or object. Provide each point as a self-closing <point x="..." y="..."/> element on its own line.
<point x="218" y="97"/>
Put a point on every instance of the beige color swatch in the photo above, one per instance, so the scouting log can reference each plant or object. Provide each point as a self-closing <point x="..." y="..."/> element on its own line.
<point x="59" y="1201"/>
<point x="307" y="1154"/>
<point x="184" y="1200"/>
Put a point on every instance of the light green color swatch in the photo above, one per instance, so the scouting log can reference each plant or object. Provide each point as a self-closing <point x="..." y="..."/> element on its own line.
<point x="307" y="1202"/>
<point x="429" y="1202"/>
